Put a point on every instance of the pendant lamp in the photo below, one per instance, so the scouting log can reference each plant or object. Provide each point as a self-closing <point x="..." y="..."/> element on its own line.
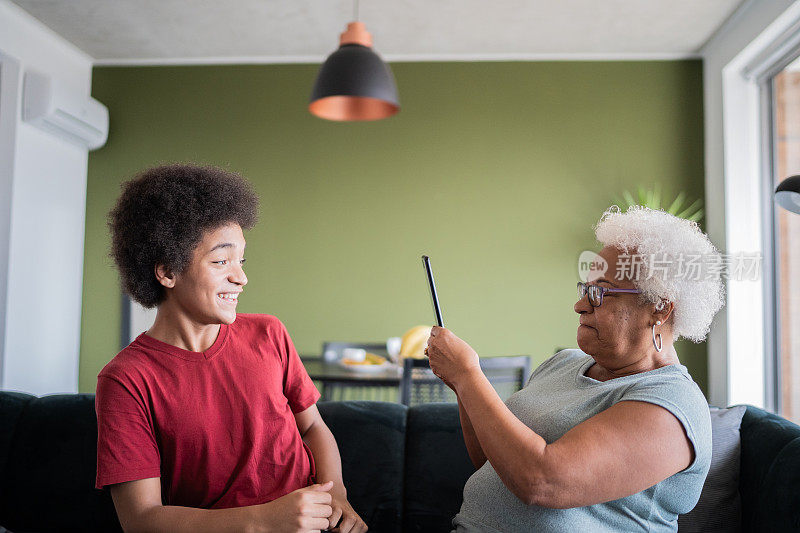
<point x="787" y="194"/>
<point x="354" y="83"/>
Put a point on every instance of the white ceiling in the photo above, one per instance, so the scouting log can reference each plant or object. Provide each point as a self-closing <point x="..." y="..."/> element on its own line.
<point x="224" y="31"/>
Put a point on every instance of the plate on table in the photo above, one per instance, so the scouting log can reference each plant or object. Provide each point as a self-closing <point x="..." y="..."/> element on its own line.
<point x="371" y="363"/>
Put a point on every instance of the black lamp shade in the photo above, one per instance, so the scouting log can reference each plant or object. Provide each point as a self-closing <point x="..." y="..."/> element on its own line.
<point x="787" y="194"/>
<point x="354" y="84"/>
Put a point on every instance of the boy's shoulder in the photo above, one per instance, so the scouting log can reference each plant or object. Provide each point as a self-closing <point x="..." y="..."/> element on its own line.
<point x="256" y="318"/>
<point x="128" y="363"/>
<point x="257" y="323"/>
<point x="132" y="362"/>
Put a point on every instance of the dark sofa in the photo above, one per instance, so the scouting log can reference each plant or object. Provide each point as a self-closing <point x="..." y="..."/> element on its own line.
<point x="404" y="467"/>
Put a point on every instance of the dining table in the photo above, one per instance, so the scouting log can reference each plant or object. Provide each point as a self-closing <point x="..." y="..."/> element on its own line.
<point x="331" y="374"/>
<point x="334" y="377"/>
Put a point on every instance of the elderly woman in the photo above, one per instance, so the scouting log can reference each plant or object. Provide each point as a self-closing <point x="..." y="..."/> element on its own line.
<point x="615" y="436"/>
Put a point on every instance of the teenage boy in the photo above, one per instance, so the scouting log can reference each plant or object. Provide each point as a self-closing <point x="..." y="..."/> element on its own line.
<point x="208" y="420"/>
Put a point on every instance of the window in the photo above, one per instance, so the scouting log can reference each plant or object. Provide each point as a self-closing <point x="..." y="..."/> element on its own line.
<point x="745" y="348"/>
<point x="785" y="152"/>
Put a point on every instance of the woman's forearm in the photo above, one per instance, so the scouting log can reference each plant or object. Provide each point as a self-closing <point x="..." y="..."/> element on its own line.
<point x="474" y="449"/>
<point x="515" y="451"/>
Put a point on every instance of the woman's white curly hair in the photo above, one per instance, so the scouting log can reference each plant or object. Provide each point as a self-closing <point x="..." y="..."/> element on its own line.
<point x="674" y="258"/>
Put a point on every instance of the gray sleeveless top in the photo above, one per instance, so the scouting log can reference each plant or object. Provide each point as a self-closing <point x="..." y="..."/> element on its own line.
<point x="557" y="398"/>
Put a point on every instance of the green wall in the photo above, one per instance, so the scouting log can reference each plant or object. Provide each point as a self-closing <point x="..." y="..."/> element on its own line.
<point x="496" y="170"/>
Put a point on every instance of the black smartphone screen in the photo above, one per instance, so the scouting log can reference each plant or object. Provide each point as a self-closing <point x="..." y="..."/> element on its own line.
<point x="426" y="262"/>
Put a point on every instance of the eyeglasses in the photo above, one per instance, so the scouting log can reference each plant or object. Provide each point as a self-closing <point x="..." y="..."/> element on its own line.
<point x="596" y="293"/>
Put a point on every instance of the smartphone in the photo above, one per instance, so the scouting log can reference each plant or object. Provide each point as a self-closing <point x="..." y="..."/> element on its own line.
<point x="426" y="262"/>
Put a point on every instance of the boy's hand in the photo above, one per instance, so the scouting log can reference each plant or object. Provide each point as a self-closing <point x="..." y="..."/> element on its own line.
<point x="304" y="510"/>
<point x="344" y="519"/>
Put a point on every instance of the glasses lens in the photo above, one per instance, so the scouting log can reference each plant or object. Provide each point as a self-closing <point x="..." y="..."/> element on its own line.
<point x="595" y="295"/>
<point x="581" y="291"/>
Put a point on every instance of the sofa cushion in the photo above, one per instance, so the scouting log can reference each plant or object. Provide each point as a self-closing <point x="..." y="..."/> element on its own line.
<point x="719" y="507"/>
<point x="437" y="467"/>
<point x="780" y="502"/>
<point x="48" y="484"/>
<point x="371" y="439"/>
<point x="11" y="406"/>
<point x="770" y="472"/>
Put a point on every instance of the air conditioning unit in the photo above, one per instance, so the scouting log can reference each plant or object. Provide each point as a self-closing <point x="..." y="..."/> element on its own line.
<point x="65" y="113"/>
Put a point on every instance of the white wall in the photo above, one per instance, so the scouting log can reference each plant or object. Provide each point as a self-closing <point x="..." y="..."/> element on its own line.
<point x="42" y="212"/>
<point x="737" y="34"/>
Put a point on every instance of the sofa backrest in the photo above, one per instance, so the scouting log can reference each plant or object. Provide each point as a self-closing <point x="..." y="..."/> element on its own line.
<point x="404" y="469"/>
<point x="49" y="454"/>
<point x="372" y="439"/>
<point x="401" y="462"/>
<point x="769" y="483"/>
<point x="436" y="467"/>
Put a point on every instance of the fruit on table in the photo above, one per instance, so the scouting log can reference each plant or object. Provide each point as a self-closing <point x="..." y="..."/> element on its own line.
<point x="374" y="359"/>
<point x="369" y="359"/>
<point x="414" y="342"/>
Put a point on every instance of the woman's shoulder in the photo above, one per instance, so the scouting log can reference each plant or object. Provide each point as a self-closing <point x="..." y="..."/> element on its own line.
<point x="566" y="357"/>
<point x="673" y="388"/>
<point x="671" y="383"/>
<point x="569" y="358"/>
<point x="671" y="380"/>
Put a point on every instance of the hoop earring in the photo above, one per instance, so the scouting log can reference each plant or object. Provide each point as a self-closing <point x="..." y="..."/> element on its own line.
<point x="660" y="344"/>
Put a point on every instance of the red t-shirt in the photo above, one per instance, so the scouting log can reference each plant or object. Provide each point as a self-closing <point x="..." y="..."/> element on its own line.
<point x="217" y="426"/>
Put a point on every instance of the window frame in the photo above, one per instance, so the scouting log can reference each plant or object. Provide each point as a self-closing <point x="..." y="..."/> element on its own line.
<point x="770" y="268"/>
<point x="735" y="375"/>
<point x="773" y="302"/>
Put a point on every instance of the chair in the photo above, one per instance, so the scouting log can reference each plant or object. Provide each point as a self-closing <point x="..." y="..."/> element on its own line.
<point x="354" y="389"/>
<point x="507" y="374"/>
<point x="420" y="385"/>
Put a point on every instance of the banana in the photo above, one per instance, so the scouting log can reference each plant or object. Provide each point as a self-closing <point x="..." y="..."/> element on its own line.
<point x="374" y="359"/>
<point x="414" y="341"/>
<point x="411" y="332"/>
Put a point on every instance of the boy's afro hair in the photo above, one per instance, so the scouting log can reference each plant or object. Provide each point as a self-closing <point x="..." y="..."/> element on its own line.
<point x="161" y="216"/>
